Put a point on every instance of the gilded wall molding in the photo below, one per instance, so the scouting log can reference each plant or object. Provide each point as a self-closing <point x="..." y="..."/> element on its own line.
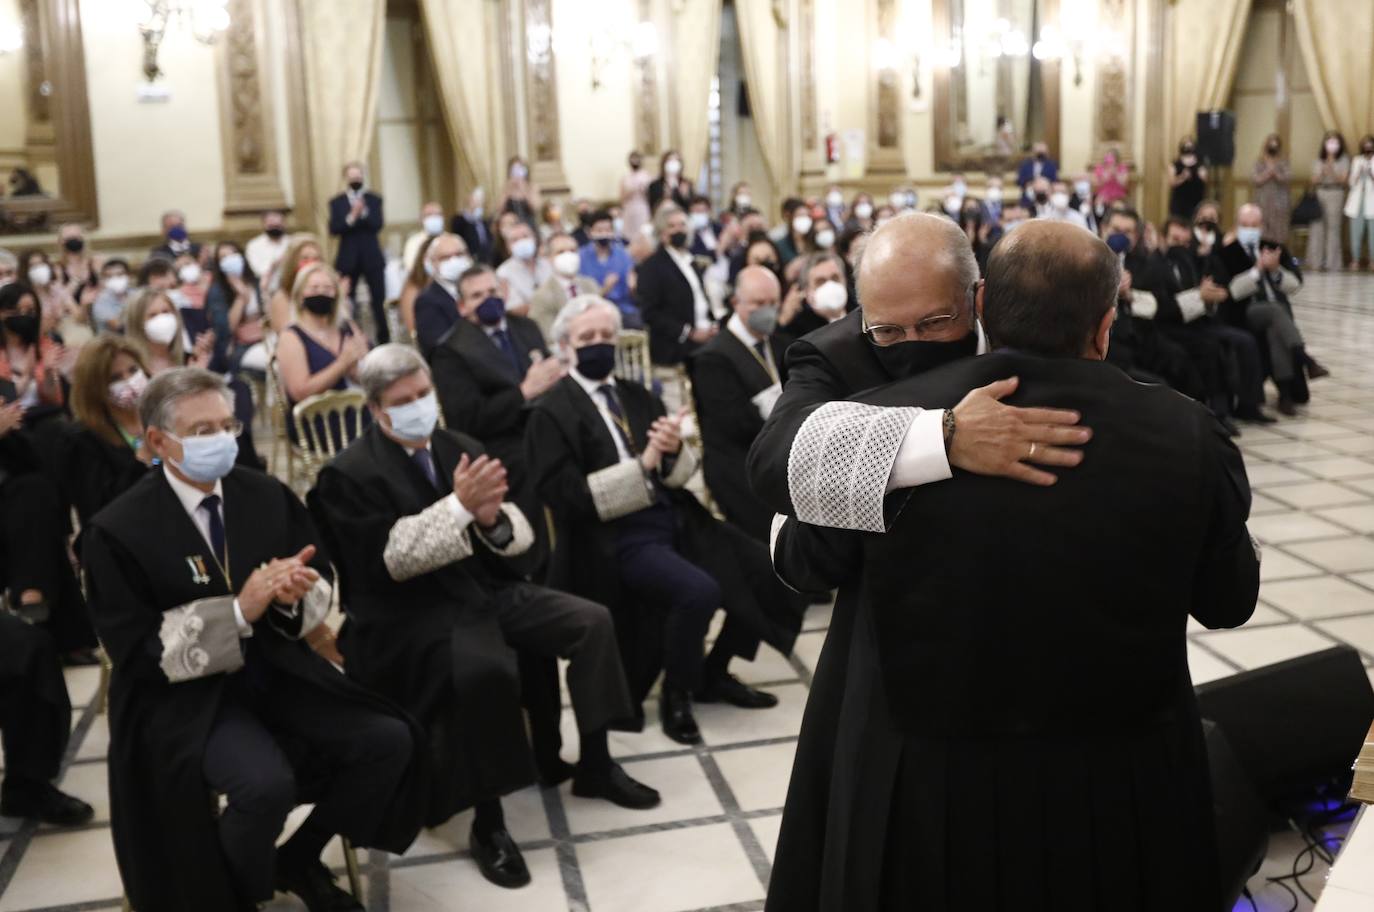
<point x="535" y="52"/>
<point x="813" y="158"/>
<point x="1112" y="108"/>
<point x="251" y="180"/>
<point x="645" y="89"/>
<point x="884" y="89"/>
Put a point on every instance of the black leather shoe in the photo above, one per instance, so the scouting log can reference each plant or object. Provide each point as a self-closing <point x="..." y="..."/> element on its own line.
<point x="616" y="786"/>
<point x="499" y="859"/>
<point x="1286" y="407"/>
<point x="1315" y="371"/>
<point x="675" y="711"/>
<point x="553" y="773"/>
<point x="1256" y="416"/>
<point x="314" y="884"/>
<point x="634" y="724"/>
<point x="727" y="688"/>
<point x="45" y="803"/>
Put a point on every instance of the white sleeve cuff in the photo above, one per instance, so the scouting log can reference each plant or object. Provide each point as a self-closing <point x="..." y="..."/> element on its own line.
<point x="241" y="622"/>
<point x="921" y="458"/>
<point x="461" y="515"/>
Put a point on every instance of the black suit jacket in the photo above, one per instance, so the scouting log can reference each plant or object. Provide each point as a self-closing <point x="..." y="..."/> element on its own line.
<point x="668" y="305"/>
<point x="726" y="375"/>
<point x="477" y="235"/>
<point x="359" y="248"/>
<point x="1234" y="259"/>
<point x="435" y="313"/>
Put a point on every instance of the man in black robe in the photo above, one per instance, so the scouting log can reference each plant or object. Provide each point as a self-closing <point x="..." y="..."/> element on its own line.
<point x="736" y="379"/>
<point x="917" y="271"/>
<point x="35" y="722"/>
<point x="203" y="577"/>
<point x="611" y="467"/>
<point x="1010" y="689"/>
<point x="418" y="518"/>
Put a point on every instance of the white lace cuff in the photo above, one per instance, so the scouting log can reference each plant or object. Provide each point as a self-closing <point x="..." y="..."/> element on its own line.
<point x="620" y="490"/>
<point x="430" y="539"/>
<point x="200" y="638"/>
<point x="684" y="465"/>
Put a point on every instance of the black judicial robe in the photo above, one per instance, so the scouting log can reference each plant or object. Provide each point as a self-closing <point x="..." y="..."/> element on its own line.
<point x="568" y="440"/>
<point x="726" y="375"/>
<point x="97" y="471"/>
<point x="430" y="643"/>
<point x="832" y="363"/>
<point x="30" y="670"/>
<point x="1032" y="712"/>
<point x="139" y="554"/>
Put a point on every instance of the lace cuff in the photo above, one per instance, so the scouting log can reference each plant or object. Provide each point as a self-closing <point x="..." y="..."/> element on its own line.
<point x="620" y="490"/>
<point x="430" y="539"/>
<point x="684" y="464"/>
<point x="199" y="639"/>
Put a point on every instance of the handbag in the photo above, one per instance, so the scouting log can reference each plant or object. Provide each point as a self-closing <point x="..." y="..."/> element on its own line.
<point x="1308" y="209"/>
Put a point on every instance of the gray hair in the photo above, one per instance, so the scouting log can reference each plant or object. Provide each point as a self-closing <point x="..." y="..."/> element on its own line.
<point x="386" y="364"/>
<point x="665" y="211"/>
<point x="815" y="259"/>
<point x="158" y="402"/>
<point x="8" y="259"/>
<point x="576" y="308"/>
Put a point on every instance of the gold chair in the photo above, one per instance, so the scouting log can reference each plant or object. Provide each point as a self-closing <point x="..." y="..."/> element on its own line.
<point x="316" y="419"/>
<point x="632" y="363"/>
<point x="692" y="438"/>
<point x="280" y="440"/>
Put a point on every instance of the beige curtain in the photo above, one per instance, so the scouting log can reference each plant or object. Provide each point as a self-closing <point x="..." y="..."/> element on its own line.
<point x="342" y="44"/>
<point x="461" y="68"/>
<point x="1205" y="42"/>
<point x="1337" y="41"/>
<point x="696" y="49"/>
<point x="761" y="43"/>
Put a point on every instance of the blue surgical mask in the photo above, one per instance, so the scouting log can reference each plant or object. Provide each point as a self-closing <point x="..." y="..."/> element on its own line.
<point x="491" y="311"/>
<point x="209" y="458"/>
<point x="1248" y="237"/>
<point x="433" y="224"/>
<point x="415" y="420"/>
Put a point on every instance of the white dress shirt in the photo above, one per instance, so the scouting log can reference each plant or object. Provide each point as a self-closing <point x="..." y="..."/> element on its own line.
<point x="590" y="388"/>
<point x="701" y="306"/>
<point x="522" y="280"/>
<point x="262" y="253"/>
<point x="737" y="329"/>
<point x="191" y="497"/>
<point x="353" y="197"/>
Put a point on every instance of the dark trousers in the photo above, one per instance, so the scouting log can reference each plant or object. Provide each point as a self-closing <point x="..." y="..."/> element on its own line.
<point x="35" y="713"/>
<point x="1208" y="360"/>
<point x="375" y="276"/>
<point x="1245" y="354"/>
<point x="33" y="542"/>
<point x="364" y="752"/>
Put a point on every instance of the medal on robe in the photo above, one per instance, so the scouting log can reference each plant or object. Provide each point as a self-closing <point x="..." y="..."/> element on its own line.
<point x="199" y="576"/>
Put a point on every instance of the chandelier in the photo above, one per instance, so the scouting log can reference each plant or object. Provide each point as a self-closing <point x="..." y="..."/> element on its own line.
<point x="205" y="20"/>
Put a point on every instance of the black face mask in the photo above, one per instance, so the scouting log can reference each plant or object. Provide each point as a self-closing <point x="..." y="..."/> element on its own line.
<point x="596" y="361"/>
<point x="275" y="233"/>
<point x="1273" y="148"/>
<point x="602" y="242"/>
<point x="355" y="186"/>
<point x="74" y="245"/>
<point x="907" y="359"/>
<point x="1042" y="198"/>
<point x="1186" y="150"/>
<point x="320" y="305"/>
<point x="24" y="327"/>
<point x="678" y="239"/>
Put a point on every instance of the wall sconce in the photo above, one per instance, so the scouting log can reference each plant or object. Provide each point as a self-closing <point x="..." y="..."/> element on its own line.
<point x="639" y="43"/>
<point x="206" y="20"/>
<point x="11" y="38"/>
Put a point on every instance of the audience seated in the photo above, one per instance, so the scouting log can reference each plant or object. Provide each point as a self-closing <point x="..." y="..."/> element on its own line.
<point x="264" y="251"/>
<point x="32" y="356"/>
<point x="431" y="225"/>
<point x="57" y="307"/>
<point x="304" y="250"/>
<point x="107" y="455"/>
<point x="705" y="231"/>
<point x="525" y="271"/>
<point x="819" y="297"/>
<point x="233" y="303"/>
<point x="418" y="518"/>
<point x="797" y="240"/>
<point x="112" y="293"/>
<point x="417" y="280"/>
<point x="474" y="228"/>
<point x="436" y="308"/>
<point x="176" y="240"/>
<point x="561" y="287"/>
<point x="670" y="294"/>
<point x="155" y="325"/>
<point x="611" y="465"/>
<point x="192" y="282"/>
<point x="607" y="263"/>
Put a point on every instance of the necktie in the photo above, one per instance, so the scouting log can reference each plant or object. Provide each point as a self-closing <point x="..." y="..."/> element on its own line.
<point x="613" y="406"/>
<point x="502" y="340"/>
<point x="572" y="290"/>
<point x="425" y="461"/>
<point x="211" y="506"/>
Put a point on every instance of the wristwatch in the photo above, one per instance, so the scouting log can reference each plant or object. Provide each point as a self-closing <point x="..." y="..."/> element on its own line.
<point x="950" y="427"/>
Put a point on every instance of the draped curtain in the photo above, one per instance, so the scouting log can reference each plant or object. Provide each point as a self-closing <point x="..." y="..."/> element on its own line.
<point x="1337" y="43"/>
<point x="761" y="43"/>
<point x="463" y="84"/>
<point x="696" y="48"/>
<point x="342" y="44"/>
<point x="1205" y="43"/>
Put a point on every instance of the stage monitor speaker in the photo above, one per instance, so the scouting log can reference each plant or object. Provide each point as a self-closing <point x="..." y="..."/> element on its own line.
<point x="1216" y="137"/>
<point x="1295" y="723"/>
<point x="1242" y="820"/>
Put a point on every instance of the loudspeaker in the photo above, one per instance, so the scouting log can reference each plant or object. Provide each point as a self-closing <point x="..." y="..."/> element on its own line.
<point x="1295" y="723"/>
<point x="1240" y="814"/>
<point x="1216" y="137"/>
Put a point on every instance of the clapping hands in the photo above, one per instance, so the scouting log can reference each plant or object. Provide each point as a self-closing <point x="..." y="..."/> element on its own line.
<point x="480" y="486"/>
<point x="284" y="581"/>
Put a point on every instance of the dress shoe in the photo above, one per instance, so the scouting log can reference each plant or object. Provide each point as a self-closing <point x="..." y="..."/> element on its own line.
<point x="553" y="773"/>
<point x="616" y="786"/>
<point x="675" y="711"/>
<point x="44" y="802"/>
<point x="499" y="859"/>
<point x="727" y="688"/>
<point x="1256" y="416"/>
<point x="1315" y="371"/>
<point x="1286" y="407"/>
<point x="314" y="885"/>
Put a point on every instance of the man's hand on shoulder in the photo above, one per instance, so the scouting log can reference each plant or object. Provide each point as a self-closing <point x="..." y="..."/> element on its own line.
<point x="991" y="438"/>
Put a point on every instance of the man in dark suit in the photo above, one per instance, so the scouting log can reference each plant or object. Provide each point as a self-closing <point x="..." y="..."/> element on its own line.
<point x="472" y="226"/>
<point x="611" y="465"/>
<point x="670" y="293"/>
<point x="1038" y="165"/>
<point x="175" y="240"/>
<point x="203" y="580"/>
<point x="436" y="308"/>
<point x="917" y="272"/>
<point x="417" y="517"/>
<point x="736" y="379"/>
<point x="1080" y="683"/>
<point x="355" y="218"/>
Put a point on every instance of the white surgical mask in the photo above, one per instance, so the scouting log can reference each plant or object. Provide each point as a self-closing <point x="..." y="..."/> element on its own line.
<point x="415" y="420"/>
<point x="960" y="189"/>
<point x="117" y="283"/>
<point x="618" y="226"/>
<point x="162" y="328"/>
<point x="953" y="204"/>
<point x="1059" y="200"/>
<point x="1083" y="189"/>
<point x="897" y="199"/>
<point x="863" y="210"/>
<point x="450" y="268"/>
<point x="231" y="264"/>
<point x="519" y="171"/>
<point x="1333" y="146"/>
<point x="433" y="224"/>
<point x="825" y="239"/>
<point x="801" y="224"/>
<point x="189" y="274"/>
<point x="834" y="199"/>
<point x="124" y="393"/>
<point x="209" y="458"/>
<point x="672" y="167"/>
<point x="743" y="200"/>
<point x="700" y="220"/>
<point x="567" y="263"/>
<point x="40" y="275"/>
<point x="1205" y="238"/>
<point x="994" y="194"/>
<point x="830" y="298"/>
<point x="524" y="248"/>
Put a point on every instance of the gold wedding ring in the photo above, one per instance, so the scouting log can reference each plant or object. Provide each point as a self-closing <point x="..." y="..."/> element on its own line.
<point x="1031" y="454"/>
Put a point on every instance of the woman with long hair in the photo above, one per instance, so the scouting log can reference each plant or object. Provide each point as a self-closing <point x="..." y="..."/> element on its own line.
<point x="107" y="455"/>
<point x="304" y="250"/>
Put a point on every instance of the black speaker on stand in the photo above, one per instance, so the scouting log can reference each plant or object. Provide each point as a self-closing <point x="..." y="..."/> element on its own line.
<point x="1242" y="818"/>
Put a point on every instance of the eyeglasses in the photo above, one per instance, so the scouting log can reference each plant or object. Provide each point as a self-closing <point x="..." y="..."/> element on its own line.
<point x="885" y="334"/>
<point x="233" y="427"/>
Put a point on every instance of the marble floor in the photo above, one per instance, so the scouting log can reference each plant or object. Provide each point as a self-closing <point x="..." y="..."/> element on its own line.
<point x="709" y="846"/>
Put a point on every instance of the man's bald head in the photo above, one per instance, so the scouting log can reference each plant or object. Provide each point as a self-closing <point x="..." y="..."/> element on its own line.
<point x="1049" y="287"/>
<point x="1249" y="216"/>
<point x="755" y="287"/>
<point x="916" y="266"/>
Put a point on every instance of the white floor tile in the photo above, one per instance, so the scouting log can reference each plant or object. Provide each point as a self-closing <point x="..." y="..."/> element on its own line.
<point x="458" y="884"/>
<point x="1274" y="564"/>
<point x="1338" y="468"/>
<point x="1358" y="518"/>
<point x="525" y="819"/>
<point x="1356" y="631"/>
<point x="1278" y="528"/>
<point x="768" y="665"/>
<point x="1203" y="666"/>
<point x="1323" y="596"/>
<point x="1338" y="555"/>
<point x="687" y="795"/>
<point x="808" y="648"/>
<point x="758" y="776"/>
<point x="1253" y="648"/>
<point x="64" y="869"/>
<point x="1266" y="475"/>
<point x="722" y="724"/>
<point x="766" y="831"/>
<point x="687" y="869"/>
<point x="1315" y="494"/>
<point x="82" y="683"/>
